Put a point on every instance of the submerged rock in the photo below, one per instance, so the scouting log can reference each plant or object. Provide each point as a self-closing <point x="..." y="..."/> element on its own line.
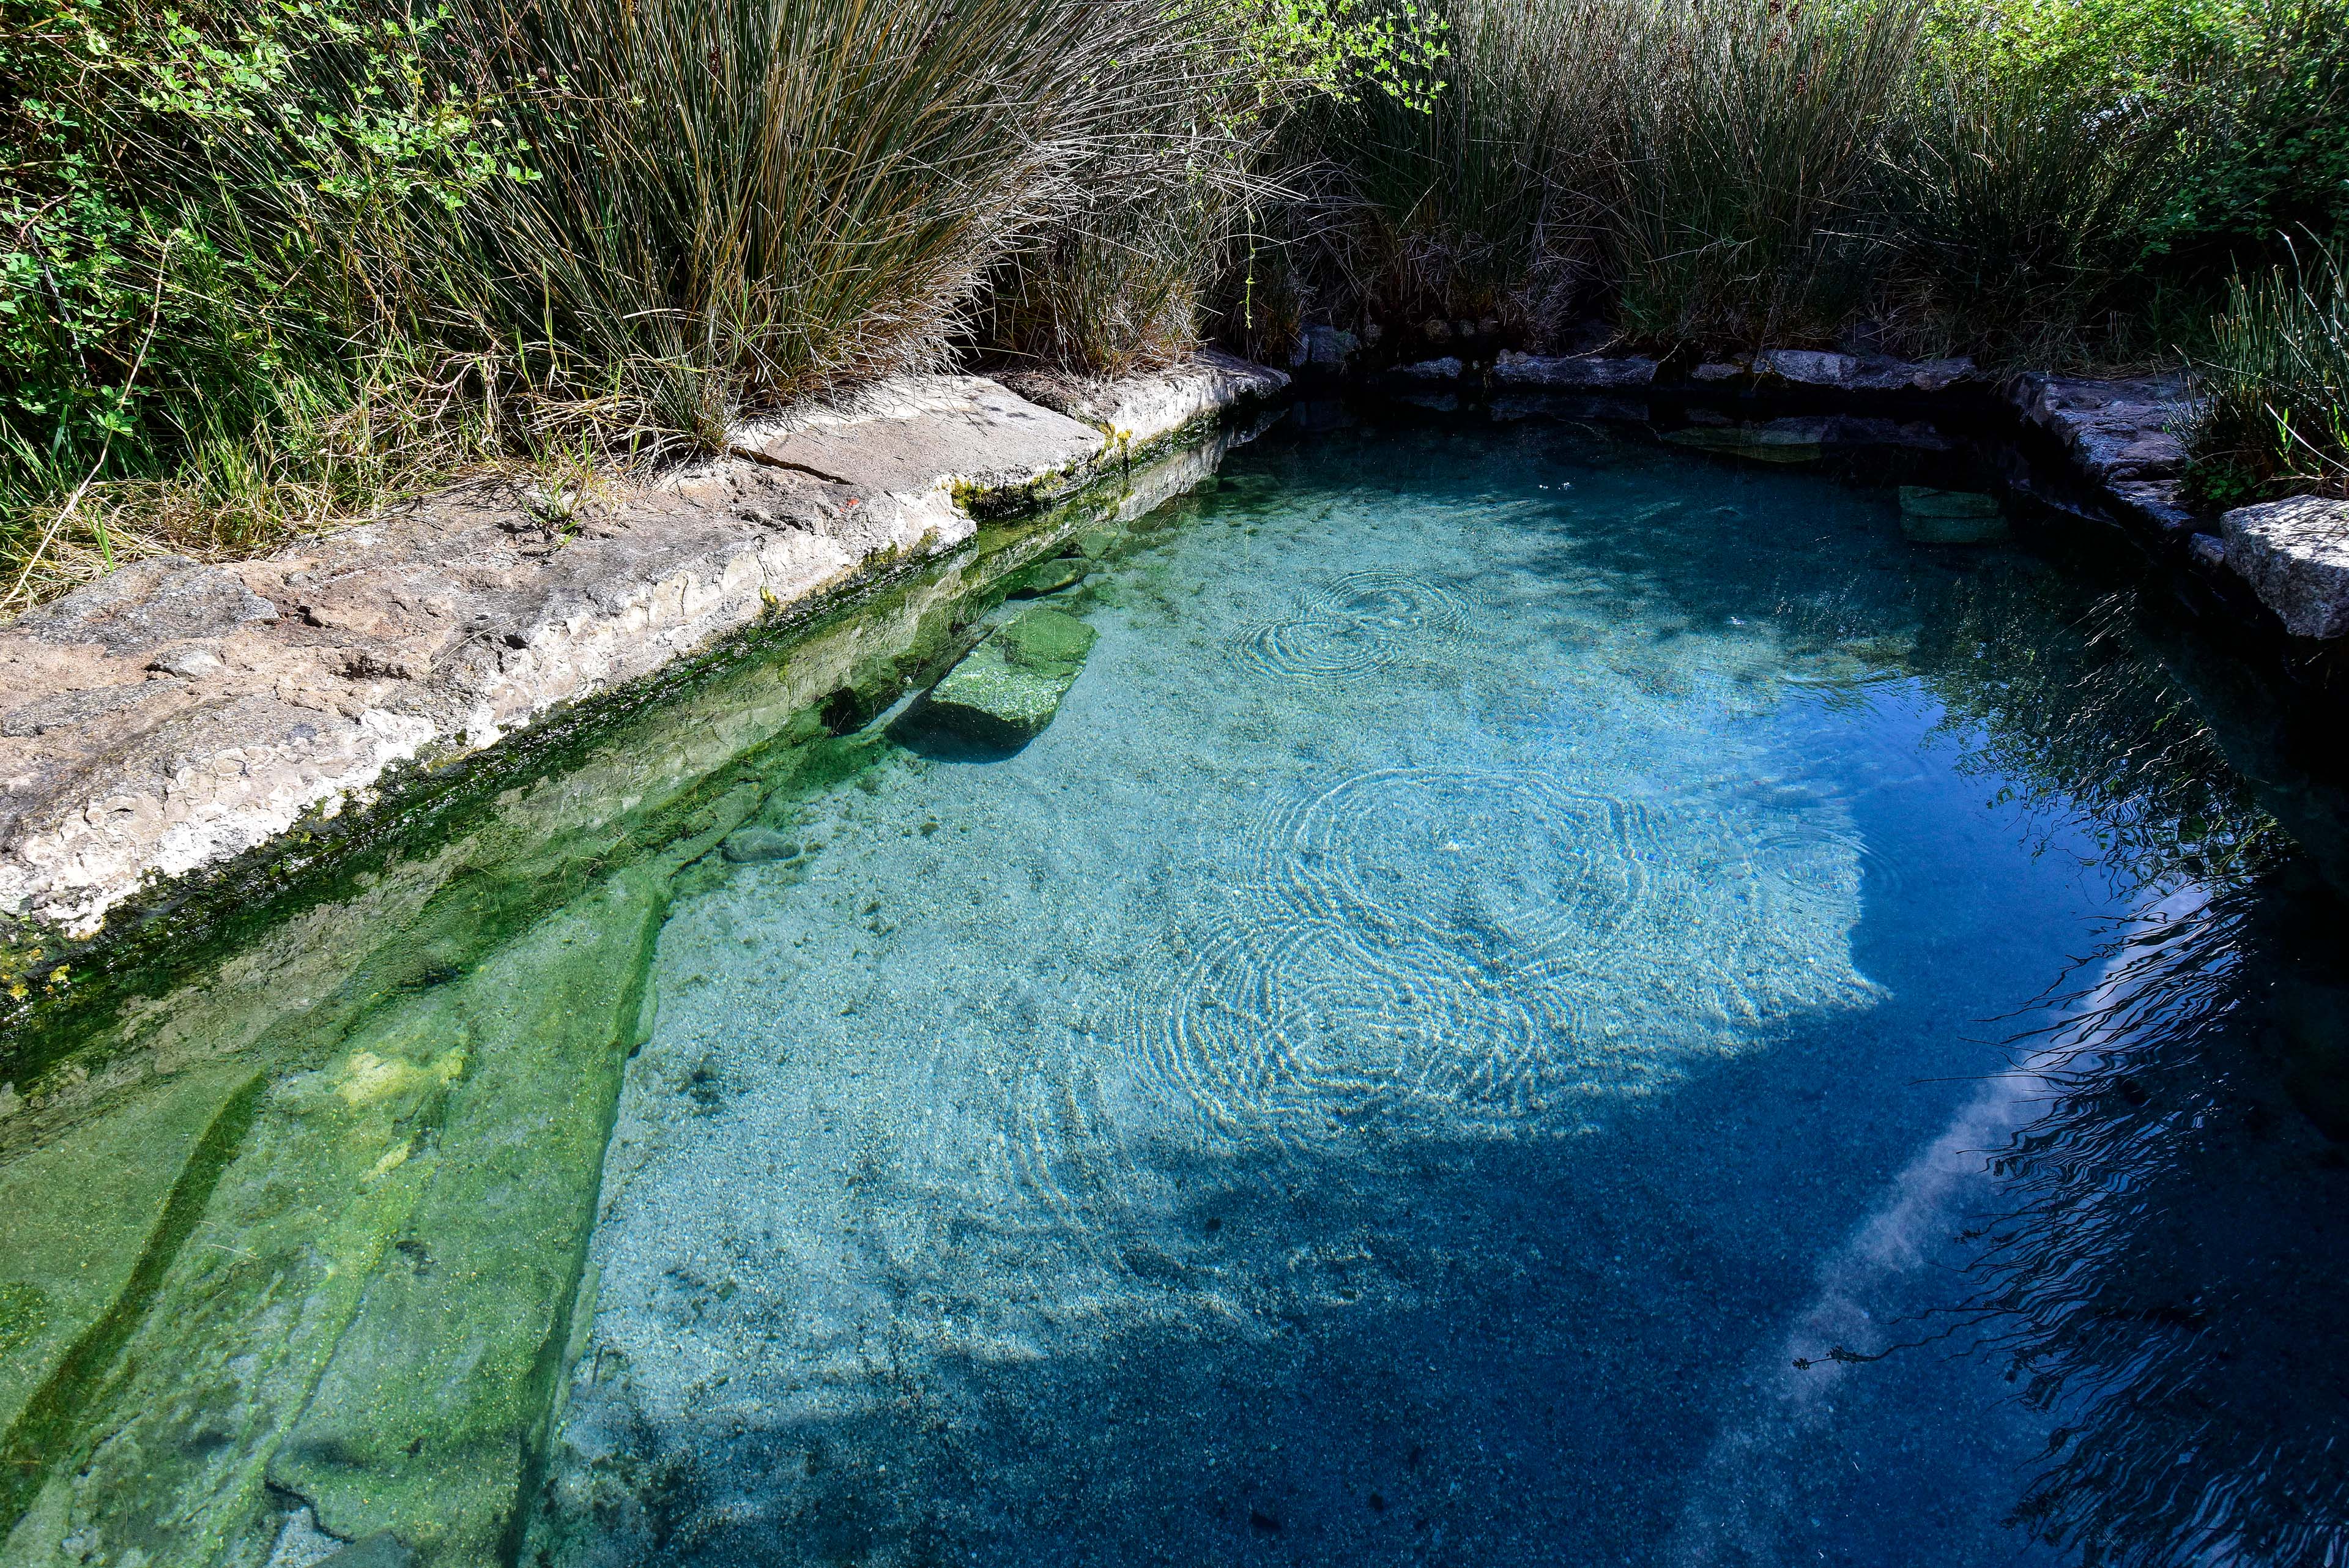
<point x="2295" y="556"/>
<point x="1039" y="577"/>
<point x="455" y="1308"/>
<point x="1933" y="517"/>
<point x="1008" y="689"/>
<point x="752" y="844"/>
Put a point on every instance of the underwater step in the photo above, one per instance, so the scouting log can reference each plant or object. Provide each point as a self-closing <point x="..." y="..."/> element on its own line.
<point x="1933" y="517"/>
<point x="1049" y="577"/>
<point x="361" y="1298"/>
<point x="428" y="1421"/>
<point x="1780" y="441"/>
<point x="1007" y="690"/>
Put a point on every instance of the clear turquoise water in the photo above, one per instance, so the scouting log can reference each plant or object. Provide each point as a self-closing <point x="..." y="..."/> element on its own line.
<point x="1514" y="945"/>
<point x="1547" y="999"/>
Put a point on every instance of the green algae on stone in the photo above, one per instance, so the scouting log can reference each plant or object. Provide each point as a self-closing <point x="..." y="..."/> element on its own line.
<point x="429" y="1422"/>
<point x="232" y="1344"/>
<point x="394" y="1236"/>
<point x="1048" y="577"/>
<point x="1007" y="690"/>
<point x="88" y="1225"/>
<point x="1933" y="517"/>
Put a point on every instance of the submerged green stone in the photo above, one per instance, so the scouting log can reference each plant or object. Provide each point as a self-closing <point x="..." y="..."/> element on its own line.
<point x="1008" y="688"/>
<point x="427" y="1421"/>
<point x="1049" y="577"/>
<point x="1933" y="517"/>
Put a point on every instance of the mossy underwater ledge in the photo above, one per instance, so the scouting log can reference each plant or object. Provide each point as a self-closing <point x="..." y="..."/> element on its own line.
<point x="393" y="1077"/>
<point x="175" y="716"/>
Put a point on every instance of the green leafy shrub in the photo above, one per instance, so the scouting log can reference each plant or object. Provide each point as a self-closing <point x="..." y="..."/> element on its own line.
<point x="2026" y="179"/>
<point x="185" y="193"/>
<point x="2266" y="156"/>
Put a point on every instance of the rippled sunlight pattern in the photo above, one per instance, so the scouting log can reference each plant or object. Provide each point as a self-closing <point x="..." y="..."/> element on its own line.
<point x="1362" y="1087"/>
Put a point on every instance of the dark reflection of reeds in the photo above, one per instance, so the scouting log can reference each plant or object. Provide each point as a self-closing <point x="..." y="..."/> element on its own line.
<point x="2166" y="1276"/>
<point x="2091" y="730"/>
<point x="2166" y="1279"/>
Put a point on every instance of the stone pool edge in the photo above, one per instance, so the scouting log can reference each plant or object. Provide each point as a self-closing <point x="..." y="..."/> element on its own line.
<point x="2118" y="441"/>
<point x="173" y="717"/>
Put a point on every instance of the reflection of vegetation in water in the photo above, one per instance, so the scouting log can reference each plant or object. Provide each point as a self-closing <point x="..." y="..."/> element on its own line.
<point x="2087" y="728"/>
<point x="2167" y="1283"/>
<point x="2164" y="1279"/>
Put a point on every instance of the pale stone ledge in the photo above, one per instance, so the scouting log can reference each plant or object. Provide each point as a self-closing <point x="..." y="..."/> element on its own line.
<point x="173" y="715"/>
<point x="1137" y="412"/>
<point x="2295" y="556"/>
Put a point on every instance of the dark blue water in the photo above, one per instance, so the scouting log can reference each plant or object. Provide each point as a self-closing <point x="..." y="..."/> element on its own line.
<point x="1480" y="1035"/>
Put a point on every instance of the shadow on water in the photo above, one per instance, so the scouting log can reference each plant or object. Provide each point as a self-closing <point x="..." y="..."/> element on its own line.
<point x="2163" y="1272"/>
<point x="921" y="733"/>
<point x="2166" y="1278"/>
<point x="1467" y="1369"/>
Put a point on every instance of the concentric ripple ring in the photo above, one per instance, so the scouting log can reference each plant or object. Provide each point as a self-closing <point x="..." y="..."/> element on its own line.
<point x="1356" y="624"/>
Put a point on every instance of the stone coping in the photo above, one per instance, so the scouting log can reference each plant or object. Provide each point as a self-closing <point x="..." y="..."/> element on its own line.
<point x="2122" y="439"/>
<point x="173" y="715"/>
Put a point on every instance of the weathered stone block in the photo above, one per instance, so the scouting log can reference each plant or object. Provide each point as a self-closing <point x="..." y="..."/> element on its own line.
<point x="1142" y="409"/>
<point x="1008" y="689"/>
<point x="1576" y="372"/>
<point x="173" y="715"/>
<point x="1324" y="348"/>
<point x="2295" y="556"/>
<point x="1870" y="373"/>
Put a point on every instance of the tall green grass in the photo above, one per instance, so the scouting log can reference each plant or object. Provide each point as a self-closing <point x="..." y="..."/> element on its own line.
<point x="1701" y="169"/>
<point x="1485" y="203"/>
<point x="2276" y="384"/>
<point x="2030" y="180"/>
<point x="1750" y="165"/>
<point x="505" y="229"/>
<point x="273" y="260"/>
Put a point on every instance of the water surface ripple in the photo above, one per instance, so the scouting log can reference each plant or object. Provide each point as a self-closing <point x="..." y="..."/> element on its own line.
<point x="1496" y="959"/>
